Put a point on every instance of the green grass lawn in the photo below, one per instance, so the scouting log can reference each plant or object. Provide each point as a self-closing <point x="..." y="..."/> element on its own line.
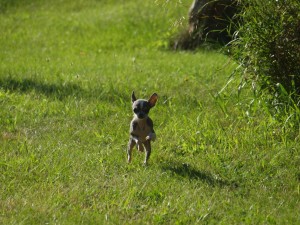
<point x="67" y="69"/>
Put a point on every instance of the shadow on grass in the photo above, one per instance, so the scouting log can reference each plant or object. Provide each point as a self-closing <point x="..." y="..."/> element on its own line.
<point x="62" y="90"/>
<point x="59" y="91"/>
<point x="187" y="171"/>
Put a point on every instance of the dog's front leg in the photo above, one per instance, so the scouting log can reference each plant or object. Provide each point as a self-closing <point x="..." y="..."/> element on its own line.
<point x="151" y="136"/>
<point x="139" y="144"/>
<point x="148" y="151"/>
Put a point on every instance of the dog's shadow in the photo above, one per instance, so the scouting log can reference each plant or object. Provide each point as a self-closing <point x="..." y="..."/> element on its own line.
<point x="188" y="171"/>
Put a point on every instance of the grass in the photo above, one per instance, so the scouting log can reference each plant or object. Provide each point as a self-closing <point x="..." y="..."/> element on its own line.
<point x="67" y="69"/>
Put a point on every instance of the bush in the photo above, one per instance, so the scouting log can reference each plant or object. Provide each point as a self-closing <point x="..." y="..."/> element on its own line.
<point x="267" y="44"/>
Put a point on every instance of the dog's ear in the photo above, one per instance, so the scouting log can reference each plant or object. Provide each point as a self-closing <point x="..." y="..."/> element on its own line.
<point x="133" y="98"/>
<point x="153" y="99"/>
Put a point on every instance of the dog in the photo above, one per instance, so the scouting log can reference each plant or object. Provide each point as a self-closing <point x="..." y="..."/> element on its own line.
<point x="141" y="126"/>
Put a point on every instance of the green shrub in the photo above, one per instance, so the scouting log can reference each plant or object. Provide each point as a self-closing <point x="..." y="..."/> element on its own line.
<point x="267" y="44"/>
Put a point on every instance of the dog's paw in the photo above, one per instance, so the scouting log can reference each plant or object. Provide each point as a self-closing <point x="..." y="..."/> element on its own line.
<point x="151" y="137"/>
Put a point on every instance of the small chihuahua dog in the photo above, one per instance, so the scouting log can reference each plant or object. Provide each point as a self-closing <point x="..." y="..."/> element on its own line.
<point x="141" y="126"/>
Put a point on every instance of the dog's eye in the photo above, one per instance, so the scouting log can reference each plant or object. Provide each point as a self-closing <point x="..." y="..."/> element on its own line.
<point x="135" y="110"/>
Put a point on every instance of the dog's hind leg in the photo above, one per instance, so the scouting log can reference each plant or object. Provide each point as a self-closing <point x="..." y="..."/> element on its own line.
<point x="148" y="151"/>
<point x="131" y="144"/>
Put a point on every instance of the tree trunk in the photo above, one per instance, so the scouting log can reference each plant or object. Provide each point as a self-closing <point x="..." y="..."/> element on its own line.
<point x="209" y="21"/>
